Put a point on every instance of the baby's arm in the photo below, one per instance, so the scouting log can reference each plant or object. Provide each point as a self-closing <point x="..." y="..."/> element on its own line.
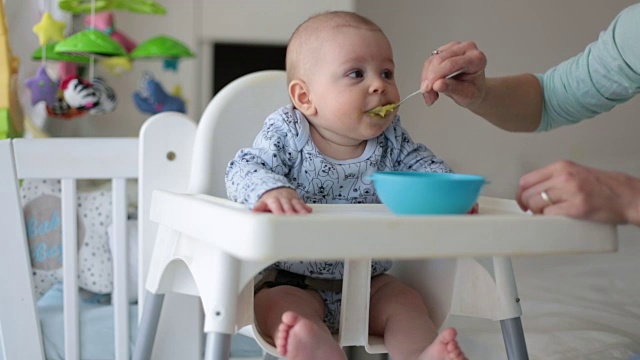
<point x="282" y="200"/>
<point x="263" y="168"/>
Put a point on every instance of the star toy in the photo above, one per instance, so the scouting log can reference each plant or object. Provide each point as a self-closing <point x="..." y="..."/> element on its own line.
<point x="42" y="87"/>
<point x="49" y="29"/>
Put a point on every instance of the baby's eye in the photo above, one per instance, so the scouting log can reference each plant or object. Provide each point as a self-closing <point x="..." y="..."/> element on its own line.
<point x="387" y="74"/>
<point x="356" y="74"/>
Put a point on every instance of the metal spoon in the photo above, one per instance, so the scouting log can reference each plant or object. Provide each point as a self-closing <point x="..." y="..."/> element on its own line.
<point x="382" y="111"/>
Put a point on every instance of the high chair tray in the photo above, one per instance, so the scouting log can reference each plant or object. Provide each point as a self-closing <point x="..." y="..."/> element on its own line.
<point x="371" y="231"/>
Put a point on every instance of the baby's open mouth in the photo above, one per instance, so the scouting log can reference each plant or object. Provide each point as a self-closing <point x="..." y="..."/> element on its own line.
<point x="382" y="111"/>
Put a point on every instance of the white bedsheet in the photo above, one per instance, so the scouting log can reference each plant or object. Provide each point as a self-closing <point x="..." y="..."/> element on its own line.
<point x="574" y="307"/>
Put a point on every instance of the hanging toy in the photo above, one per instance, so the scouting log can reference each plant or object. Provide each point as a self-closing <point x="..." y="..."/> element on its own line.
<point x="138" y="6"/>
<point x="79" y="93"/>
<point x="42" y="87"/>
<point x="153" y="99"/>
<point x="61" y="110"/>
<point x="163" y="47"/>
<point x="104" y="22"/>
<point x="49" y="29"/>
<point x="116" y="65"/>
<point x="66" y="69"/>
<point x="107" y="99"/>
<point x="95" y="97"/>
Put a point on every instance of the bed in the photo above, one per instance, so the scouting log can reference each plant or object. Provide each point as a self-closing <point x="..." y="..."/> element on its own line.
<point x="574" y="306"/>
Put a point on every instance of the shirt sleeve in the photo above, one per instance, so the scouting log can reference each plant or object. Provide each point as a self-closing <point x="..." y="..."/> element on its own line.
<point x="412" y="156"/>
<point x="605" y="74"/>
<point x="263" y="167"/>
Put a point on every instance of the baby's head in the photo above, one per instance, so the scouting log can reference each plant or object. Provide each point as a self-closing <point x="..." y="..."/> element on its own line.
<point x="339" y="65"/>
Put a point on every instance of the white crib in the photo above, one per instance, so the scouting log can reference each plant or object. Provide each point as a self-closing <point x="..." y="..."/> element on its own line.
<point x="115" y="161"/>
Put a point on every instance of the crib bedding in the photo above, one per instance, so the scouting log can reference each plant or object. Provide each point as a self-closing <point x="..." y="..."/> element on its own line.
<point x="96" y="329"/>
<point x="574" y="307"/>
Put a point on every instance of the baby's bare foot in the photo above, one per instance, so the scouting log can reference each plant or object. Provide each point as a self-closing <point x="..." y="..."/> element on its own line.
<point x="444" y="347"/>
<point x="300" y="339"/>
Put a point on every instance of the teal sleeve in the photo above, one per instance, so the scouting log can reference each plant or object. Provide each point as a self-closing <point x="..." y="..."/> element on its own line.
<point x="606" y="74"/>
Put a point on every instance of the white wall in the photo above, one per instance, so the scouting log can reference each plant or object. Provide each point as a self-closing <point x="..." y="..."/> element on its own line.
<point x="252" y="21"/>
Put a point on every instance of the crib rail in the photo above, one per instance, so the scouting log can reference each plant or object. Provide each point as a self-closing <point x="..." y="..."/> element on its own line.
<point x="69" y="160"/>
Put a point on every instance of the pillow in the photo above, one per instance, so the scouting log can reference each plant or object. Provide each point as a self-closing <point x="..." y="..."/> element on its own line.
<point x="132" y="257"/>
<point x="43" y="220"/>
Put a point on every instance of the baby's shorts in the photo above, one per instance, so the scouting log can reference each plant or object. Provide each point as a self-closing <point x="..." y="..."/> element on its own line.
<point x="330" y="291"/>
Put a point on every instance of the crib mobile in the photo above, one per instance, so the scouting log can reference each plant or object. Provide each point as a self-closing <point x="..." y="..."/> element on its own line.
<point x="74" y="95"/>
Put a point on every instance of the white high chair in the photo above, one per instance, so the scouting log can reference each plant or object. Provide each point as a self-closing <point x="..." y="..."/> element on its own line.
<point x="210" y="247"/>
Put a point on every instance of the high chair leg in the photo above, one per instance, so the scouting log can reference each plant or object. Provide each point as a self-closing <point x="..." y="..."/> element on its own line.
<point x="514" y="339"/>
<point x="148" y="326"/>
<point x="218" y="346"/>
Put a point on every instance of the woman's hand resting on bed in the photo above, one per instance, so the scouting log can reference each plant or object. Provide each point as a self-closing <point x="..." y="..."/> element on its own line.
<point x="281" y="201"/>
<point x="580" y="192"/>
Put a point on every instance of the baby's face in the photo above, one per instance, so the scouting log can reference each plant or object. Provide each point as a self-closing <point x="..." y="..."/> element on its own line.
<point x="353" y="73"/>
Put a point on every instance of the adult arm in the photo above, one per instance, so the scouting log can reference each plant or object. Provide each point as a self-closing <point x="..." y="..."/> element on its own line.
<point x="606" y="74"/>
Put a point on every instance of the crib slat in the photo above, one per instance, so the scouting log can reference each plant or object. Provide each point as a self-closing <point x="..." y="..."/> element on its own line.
<point x="81" y="158"/>
<point x="70" y="268"/>
<point x="120" y="269"/>
<point x="17" y="297"/>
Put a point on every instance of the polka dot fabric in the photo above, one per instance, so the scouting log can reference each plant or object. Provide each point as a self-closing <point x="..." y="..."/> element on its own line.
<point x="42" y="211"/>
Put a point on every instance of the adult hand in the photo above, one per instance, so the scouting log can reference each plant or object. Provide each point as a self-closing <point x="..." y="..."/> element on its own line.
<point x="569" y="189"/>
<point x="281" y="201"/>
<point x="466" y="89"/>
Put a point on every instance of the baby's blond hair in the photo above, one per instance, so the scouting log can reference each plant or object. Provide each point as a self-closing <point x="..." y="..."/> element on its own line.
<point x="309" y="36"/>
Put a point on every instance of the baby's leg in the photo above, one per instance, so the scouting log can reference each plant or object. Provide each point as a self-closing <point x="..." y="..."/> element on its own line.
<point x="291" y="319"/>
<point x="398" y="313"/>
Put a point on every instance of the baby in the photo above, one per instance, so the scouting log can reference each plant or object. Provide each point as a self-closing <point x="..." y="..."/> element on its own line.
<point x="322" y="149"/>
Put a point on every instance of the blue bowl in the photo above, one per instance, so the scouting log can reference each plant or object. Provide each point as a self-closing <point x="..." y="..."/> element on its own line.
<point x="411" y="193"/>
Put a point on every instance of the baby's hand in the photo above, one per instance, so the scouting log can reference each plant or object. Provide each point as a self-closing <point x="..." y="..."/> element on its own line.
<point x="281" y="201"/>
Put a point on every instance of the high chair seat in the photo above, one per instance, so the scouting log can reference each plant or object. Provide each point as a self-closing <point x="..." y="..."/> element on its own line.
<point x="211" y="247"/>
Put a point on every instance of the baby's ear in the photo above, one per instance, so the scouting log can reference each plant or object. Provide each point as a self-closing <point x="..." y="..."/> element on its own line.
<point x="300" y="97"/>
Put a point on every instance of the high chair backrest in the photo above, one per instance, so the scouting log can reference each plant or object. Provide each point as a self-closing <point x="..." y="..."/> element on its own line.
<point x="231" y="121"/>
<point x="223" y="130"/>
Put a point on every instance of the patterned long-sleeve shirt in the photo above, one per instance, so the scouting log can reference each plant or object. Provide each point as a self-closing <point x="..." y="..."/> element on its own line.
<point x="284" y="155"/>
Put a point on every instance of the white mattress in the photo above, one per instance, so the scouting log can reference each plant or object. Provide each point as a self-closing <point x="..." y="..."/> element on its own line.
<point x="574" y="307"/>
